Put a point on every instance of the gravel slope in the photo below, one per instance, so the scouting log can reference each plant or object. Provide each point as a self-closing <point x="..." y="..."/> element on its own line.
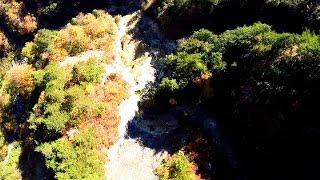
<point x="140" y="149"/>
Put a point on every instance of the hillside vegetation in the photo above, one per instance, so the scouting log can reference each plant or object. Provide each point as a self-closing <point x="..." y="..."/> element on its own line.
<point x="221" y="15"/>
<point x="75" y="115"/>
<point x="80" y="80"/>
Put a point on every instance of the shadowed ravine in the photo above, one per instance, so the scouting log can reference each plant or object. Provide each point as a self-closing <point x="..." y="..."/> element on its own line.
<point x="159" y="89"/>
<point x="146" y="136"/>
<point x="143" y="135"/>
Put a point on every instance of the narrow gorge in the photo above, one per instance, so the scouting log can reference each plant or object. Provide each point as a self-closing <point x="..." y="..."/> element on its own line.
<point x="139" y="150"/>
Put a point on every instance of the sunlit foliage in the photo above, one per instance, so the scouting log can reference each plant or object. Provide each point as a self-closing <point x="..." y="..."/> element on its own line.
<point x="3" y="146"/>
<point x="5" y="46"/>
<point x="16" y="17"/>
<point x="79" y="99"/>
<point x="20" y="80"/>
<point x="85" y="32"/>
<point x="10" y="169"/>
<point x="177" y="167"/>
<point x="77" y="159"/>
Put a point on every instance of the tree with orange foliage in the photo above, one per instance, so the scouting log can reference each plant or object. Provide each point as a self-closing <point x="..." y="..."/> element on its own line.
<point x="4" y="44"/>
<point x="16" y="17"/>
<point x="20" y="80"/>
<point x="85" y="32"/>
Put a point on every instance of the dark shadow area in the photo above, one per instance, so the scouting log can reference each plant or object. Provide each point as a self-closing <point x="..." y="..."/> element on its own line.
<point x="179" y="22"/>
<point x="227" y="164"/>
<point x="66" y="11"/>
<point x="270" y="151"/>
<point x="153" y="36"/>
<point x="157" y="130"/>
<point x="32" y="164"/>
<point x="122" y="7"/>
<point x="15" y="39"/>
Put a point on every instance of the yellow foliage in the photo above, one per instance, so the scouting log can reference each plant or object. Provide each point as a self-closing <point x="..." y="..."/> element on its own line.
<point x="73" y="40"/>
<point x="177" y="166"/>
<point x="173" y="101"/>
<point x="207" y="88"/>
<point x="16" y="17"/>
<point x="4" y="44"/>
<point x="9" y="126"/>
<point x="20" y="80"/>
<point x="27" y="50"/>
<point x="205" y="81"/>
<point x="3" y="146"/>
<point x="291" y="51"/>
<point x="106" y="126"/>
<point x="4" y="106"/>
<point x="99" y="28"/>
<point x="85" y="32"/>
<point x="206" y="75"/>
<point x="29" y="24"/>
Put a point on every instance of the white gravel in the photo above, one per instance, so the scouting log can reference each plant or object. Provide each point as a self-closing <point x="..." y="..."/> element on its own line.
<point x="128" y="159"/>
<point x="10" y="147"/>
<point x="85" y="56"/>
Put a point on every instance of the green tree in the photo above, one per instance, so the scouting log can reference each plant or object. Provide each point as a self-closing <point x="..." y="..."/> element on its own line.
<point x="10" y="169"/>
<point x="76" y="160"/>
<point x="89" y="71"/>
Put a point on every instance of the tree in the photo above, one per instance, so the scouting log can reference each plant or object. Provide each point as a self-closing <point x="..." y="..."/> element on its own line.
<point x="17" y="17"/>
<point x="184" y="67"/>
<point x="89" y="71"/>
<point x="83" y="33"/>
<point x="5" y="46"/>
<point x="10" y="169"/>
<point x="20" y="80"/>
<point x="177" y="167"/>
<point x="74" y="160"/>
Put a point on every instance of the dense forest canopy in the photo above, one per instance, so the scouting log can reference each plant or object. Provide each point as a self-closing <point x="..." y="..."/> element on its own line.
<point x="252" y="64"/>
<point x="221" y="15"/>
<point x="261" y="82"/>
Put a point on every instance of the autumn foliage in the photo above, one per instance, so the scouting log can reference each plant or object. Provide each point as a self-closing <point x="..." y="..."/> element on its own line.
<point x="76" y="102"/>
<point x="20" y="80"/>
<point x="17" y="81"/>
<point x="85" y="32"/>
<point x="106" y="126"/>
<point x="17" y="17"/>
<point x="4" y="44"/>
<point x="176" y="167"/>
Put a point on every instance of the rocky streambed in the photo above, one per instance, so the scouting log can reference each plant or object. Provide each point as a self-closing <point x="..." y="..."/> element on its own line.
<point x="146" y="136"/>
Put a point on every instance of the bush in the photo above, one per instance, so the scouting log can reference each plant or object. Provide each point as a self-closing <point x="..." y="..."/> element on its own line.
<point x="177" y="167"/>
<point x="20" y="80"/>
<point x="76" y="99"/>
<point x="184" y="67"/>
<point x="53" y="78"/>
<point x="169" y="85"/>
<point x="85" y="32"/>
<point x="257" y="81"/>
<point x="10" y="170"/>
<point x="89" y="71"/>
